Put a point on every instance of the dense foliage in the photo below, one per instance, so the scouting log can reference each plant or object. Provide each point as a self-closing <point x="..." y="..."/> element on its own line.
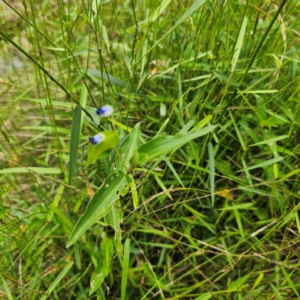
<point x="188" y="189"/>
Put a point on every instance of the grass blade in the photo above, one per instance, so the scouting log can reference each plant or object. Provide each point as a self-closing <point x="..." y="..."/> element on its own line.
<point x="238" y="46"/>
<point x="237" y="284"/>
<point x="272" y="140"/>
<point x="211" y="157"/>
<point x="128" y="146"/>
<point x="6" y="289"/>
<point x="58" y="279"/>
<point x="166" y="144"/>
<point x="75" y="135"/>
<point x="266" y="163"/>
<point x="190" y="11"/>
<point x="205" y="296"/>
<point x="103" y="268"/>
<point x="39" y="170"/>
<point x="264" y="36"/>
<point x="125" y="269"/>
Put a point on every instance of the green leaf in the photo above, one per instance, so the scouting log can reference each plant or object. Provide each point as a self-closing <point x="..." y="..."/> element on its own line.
<point x="263" y="164"/>
<point x="166" y="144"/>
<point x="203" y="122"/>
<point x="238" y="283"/>
<point x="75" y="135"/>
<point x="117" y="216"/>
<point x="159" y="10"/>
<point x="55" y="203"/>
<point x="196" y="5"/>
<point x="238" y="133"/>
<point x="290" y="282"/>
<point x="205" y="296"/>
<point x="270" y="141"/>
<point x="114" y="219"/>
<point x="258" y="280"/>
<point x="239" y="42"/>
<point x="225" y="79"/>
<point x="106" y="76"/>
<point x="211" y="156"/>
<point x="39" y="170"/>
<point x="173" y="170"/>
<point x="99" y="205"/>
<point x="58" y="279"/>
<point x="110" y="141"/>
<point x="128" y="146"/>
<point x="276" y="292"/>
<point x="6" y="289"/>
<point x="125" y="268"/>
<point x="104" y="264"/>
<point x="134" y="193"/>
<point x="93" y="118"/>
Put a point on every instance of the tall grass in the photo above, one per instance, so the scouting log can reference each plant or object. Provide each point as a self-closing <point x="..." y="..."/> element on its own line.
<point x="199" y="199"/>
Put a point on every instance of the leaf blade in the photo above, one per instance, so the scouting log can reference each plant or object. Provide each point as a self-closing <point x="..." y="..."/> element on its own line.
<point x="74" y="143"/>
<point x="166" y="144"/>
<point x="99" y="205"/>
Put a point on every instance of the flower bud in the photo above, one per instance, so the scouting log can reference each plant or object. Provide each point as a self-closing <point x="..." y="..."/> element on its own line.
<point x="105" y="111"/>
<point x="96" y="139"/>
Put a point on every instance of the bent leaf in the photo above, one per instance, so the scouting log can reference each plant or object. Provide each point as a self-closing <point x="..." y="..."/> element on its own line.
<point x="99" y="205"/>
<point x="110" y="141"/>
<point x="166" y="144"/>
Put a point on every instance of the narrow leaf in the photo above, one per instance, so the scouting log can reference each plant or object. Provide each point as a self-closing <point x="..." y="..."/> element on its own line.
<point x="104" y="264"/>
<point x="205" y="296"/>
<point x="237" y="284"/>
<point x="125" y="267"/>
<point x="6" y="289"/>
<point x="117" y="218"/>
<point x="225" y="79"/>
<point x="128" y="146"/>
<point x="264" y="164"/>
<point x="75" y="134"/>
<point x="173" y="171"/>
<point x="258" y="280"/>
<point x="166" y="144"/>
<point x="203" y="122"/>
<point x="272" y="140"/>
<point x="58" y="279"/>
<point x="188" y="12"/>
<point x="238" y="46"/>
<point x="211" y="156"/>
<point x="39" y="170"/>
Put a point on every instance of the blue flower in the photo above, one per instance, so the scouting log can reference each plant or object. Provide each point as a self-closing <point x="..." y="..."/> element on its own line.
<point x="96" y="139"/>
<point x="105" y="111"/>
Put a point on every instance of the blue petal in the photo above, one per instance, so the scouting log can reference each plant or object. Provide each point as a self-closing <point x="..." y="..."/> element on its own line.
<point x="105" y="111"/>
<point x="96" y="139"/>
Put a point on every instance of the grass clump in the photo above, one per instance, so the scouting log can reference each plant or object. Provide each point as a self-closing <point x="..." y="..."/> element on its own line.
<point x="189" y="190"/>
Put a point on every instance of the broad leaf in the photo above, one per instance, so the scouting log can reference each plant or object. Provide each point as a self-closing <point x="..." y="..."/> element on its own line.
<point x="110" y="141"/>
<point x="99" y="205"/>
